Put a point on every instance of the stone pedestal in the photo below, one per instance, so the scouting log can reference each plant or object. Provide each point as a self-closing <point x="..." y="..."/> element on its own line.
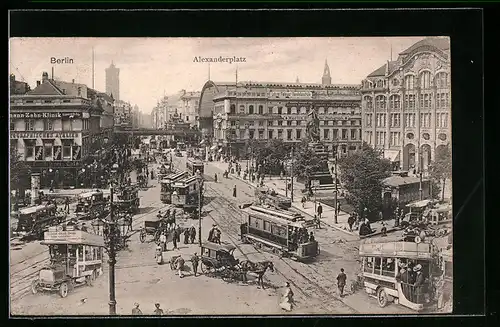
<point x="35" y="187"/>
<point x="324" y="175"/>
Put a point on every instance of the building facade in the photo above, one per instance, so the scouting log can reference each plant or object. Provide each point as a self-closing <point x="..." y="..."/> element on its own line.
<point x="53" y="128"/>
<point x="188" y="108"/>
<point x="263" y="111"/>
<point x="113" y="81"/>
<point x="17" y="87"/>
<point x="123" y="114"/>
<point x="406" y="105"/>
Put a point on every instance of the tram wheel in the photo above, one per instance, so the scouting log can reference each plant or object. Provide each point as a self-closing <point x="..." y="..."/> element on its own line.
<point x="89" y="281"/>
<point x="142" y="235"/>
<point x="382" y="298"/>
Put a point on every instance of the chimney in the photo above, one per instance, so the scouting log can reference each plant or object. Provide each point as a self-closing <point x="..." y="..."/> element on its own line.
<point x="37" y="83"/>
<point x="45" y="77"/>
<point x="12" y="78"/>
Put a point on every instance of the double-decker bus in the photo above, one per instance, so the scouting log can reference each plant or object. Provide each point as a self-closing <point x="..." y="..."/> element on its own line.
<point x="389" y="270"/>
<point x="167" y="186"/>
<point x="194" y="165"/>
<point x="282" y="232"/>
<point x="186" y="193"/>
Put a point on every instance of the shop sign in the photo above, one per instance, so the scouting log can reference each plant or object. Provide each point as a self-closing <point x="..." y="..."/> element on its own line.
<point x="42" y="135"/>
<point x="43" y="115"/>
<point x="291" y="94"/>
<point x="294" y="117"/>
<point x="55" y="164"/>
<point x="77" y="154"/>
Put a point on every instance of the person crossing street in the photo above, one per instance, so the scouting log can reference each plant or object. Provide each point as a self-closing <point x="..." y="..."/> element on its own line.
<point x="195" y="260"/>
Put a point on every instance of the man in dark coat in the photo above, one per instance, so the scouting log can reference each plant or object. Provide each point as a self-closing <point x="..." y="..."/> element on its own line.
<point x="211" y="234"/>
<point x="234" y="191"/>
<point x="341" y="281"/>
<point x="186" y="236"/>
<point x="174" y="238"/>
<point x="192" y="234"/>
<point x="194" y="260"/>
<point x="319" y="210"/>
<point x="351" y="221"/>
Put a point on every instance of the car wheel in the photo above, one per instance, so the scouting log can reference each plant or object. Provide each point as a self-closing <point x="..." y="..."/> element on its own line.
<point x="382" y="298"/>
<point x="34" y="286"/>
<point x="63" y="289"/>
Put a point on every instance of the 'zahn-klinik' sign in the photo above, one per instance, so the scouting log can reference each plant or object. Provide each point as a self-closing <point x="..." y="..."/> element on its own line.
<point x="35" y="115"/>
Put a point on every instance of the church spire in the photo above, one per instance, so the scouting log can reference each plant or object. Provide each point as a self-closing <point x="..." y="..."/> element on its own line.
<point x="326" y="79"/>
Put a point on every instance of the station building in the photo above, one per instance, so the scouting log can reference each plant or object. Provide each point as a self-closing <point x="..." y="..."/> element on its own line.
<point x="231" y="114"/>
<point x="406" y="105"/>
<point x="55" y="126"/>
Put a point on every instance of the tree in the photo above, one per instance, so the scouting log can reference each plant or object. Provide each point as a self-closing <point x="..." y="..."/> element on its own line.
<point x="362" y="173"/>
<point x="19" y="171"/>
<point x="306" y="162"/>
<point x="440" y="169"/>
<point x="271" y="155"/>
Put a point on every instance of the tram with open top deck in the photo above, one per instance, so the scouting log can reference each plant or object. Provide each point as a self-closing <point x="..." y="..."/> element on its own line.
<point x="186" y="193"/>
<point x="75" y="259"/>
<point x="167" y="185"/>
<point x="282" y="232"/>
<point x="193" y="166"/>
<point x="402" y="272"/>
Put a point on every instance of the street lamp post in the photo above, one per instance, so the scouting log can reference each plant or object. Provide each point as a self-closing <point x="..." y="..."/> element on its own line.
<point x="112" y="252"/>
<point x="200" y="194"/>
<point x="291" y="176"/>
<point x="336" y="186"/>
<point x="420" y="190"/>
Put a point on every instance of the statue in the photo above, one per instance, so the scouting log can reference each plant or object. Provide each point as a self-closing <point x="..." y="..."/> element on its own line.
<point x="313" y="125"/>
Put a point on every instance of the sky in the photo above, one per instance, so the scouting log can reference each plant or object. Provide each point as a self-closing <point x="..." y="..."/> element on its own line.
<point x="152" y="67"/>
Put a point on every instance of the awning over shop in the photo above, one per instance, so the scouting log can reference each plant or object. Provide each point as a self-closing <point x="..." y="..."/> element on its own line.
<point x="392" y="155"/>
<point x="213" y="147"/>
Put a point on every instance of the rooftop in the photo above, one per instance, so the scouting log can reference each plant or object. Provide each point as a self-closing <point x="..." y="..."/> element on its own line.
<point x="395" y="181"/>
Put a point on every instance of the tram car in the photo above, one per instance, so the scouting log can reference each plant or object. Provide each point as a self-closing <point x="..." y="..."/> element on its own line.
<point x="195" y="165"/>
<point x="126" y="199"/>
<point x="75" y="260"/>
<point x="185" y="193"/>
<point x="267" y="196"/>
<point x="278" y="231"/>
<point x="167" y="186"/>
<point x="381" y="262"/>
<point x="33" y="221"/>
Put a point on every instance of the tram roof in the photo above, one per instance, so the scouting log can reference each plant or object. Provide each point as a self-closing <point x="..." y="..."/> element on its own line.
<point x="403" y="249"/>
<point x="29" y="210"/>
<point x="274" y="216"/>
<point x="185" y="182"/>
<point x="89" y="194"/>
<point x="75" y="237"/>
<point x="219" y="247"/>
<point x="419" y="204"/>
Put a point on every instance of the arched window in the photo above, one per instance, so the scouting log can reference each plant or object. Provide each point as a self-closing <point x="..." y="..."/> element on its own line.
<point x="242" y="109"/>
<point x="409" y="82"/>
<point x="442" y="80"/>
<point x="321" y="110"/>
<point x="250" y="109"/>
<point x="425" y="80"/>
<point x="380" y="102"/>
<point x="261" y="110"/>
<point x="394" y="102"/>
<point x="380" y="83"/>
<point x="232" y="109"/>
<point x="368" y="103"/>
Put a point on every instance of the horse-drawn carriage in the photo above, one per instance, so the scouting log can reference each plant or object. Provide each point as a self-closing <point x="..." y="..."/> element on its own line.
<point x="267" y="196"/>
<point x="126" y="199"/>
<point x="32" y="222"/>
<point x="218" y="260"/>
<point x="91" y="205"/>
<point x="152" y="226"/>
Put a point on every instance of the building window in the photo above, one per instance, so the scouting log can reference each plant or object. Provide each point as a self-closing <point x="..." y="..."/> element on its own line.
<point x="261" y="135"/>
<point x="369" y="118"/>
<point x="395" y="136"/>
<point x="12" y="126"/>
<point x="326" y="134"/>
<point x="344" y="134"/>
<point x="368" y="103"/>
<point x="288" y="134"/>
<point x="368" y="137"/>
<point x="381" y="120"/>
<point x="442" y="136"/>
<point x="409" y="82"/>
<point x="270" y="109"/>
<point x="47" y="125"/>
<point x="425" y="80"/>
<point x="242" y="109"/>
<point x="269" y="123"/>
<point x="353" y="134"/>
<point x="442" y="80"/>
<point x="251" y="134"/>
<point x="380" y="102"/>
<point x="280" y="123"/>
<point x="47" y="149"/>
<point x="394" y="102"/>
<point x="410" y="101"/>
<point x="250" y="109"/>
<point x="261" y="123"/>
<point x="29" y="125"/>
<point x="288" y="123"/>
<point x="261" y="110"/>
<point x="289" y="111"/>
<point x="395" y="120"/>
<point x="280" y="110"/>
<point x="67" y="125"/>
<point x="425" y="120"/>
<point x="232" y="109"/>
<point x="299" y="134"/>
<point x="280" y="134"/>
<point x="270" y="134"/>
<point x="409" y="120"/>
<point x="335" y="134"/>
<point x="381" y="138"/>
<point x="29" y="149"/>
<point x="66" y="149"/>
<point x="442" y="120"/>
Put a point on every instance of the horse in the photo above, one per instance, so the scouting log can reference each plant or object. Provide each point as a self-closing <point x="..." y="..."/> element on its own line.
<point x="258" y="268"/>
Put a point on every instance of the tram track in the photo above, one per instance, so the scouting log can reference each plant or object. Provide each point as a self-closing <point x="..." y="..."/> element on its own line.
<point x="230" y="218"/>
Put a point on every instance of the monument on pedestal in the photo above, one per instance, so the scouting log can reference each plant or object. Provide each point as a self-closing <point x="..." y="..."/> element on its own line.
<point x="313" y="133"/>
<point x="35" y="187"/>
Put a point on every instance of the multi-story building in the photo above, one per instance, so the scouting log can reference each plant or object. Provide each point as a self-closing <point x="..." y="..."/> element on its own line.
<point x="406" y="105"/>
<point x="53" y="128"/>
<point x="17" y="87"/>
<point x="265" y="110"/>
<point x="107" y="116"/>
<point x="113" y="81"/>
<point x="188" y="108"/>
<point x="123" y="114"/>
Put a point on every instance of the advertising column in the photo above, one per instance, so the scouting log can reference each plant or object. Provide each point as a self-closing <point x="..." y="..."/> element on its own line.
<point x="35" y="187"/>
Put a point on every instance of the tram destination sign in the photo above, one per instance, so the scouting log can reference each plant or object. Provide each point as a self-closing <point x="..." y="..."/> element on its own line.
<point x="72" y="237"/>
<point x="43" y="115"/>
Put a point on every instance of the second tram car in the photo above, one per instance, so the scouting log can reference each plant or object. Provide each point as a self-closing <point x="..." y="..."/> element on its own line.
<point x="185" y="193"/>
<point x="194" y="165"/>
<point x="278" y="231"/>
<point x="167" y="186"/>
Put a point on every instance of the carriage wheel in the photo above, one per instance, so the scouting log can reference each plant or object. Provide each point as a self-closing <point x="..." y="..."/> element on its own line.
<point x="34" y="286"/>
<point x="156" y="237"/>
<point x="142" y="235"/>
<point x="63" y="289"/>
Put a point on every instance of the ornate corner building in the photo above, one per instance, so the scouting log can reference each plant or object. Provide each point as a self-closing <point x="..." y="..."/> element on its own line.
<point x="406" y="107"/>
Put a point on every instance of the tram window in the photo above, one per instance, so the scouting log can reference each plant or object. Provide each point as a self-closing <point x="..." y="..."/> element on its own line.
<point x="267" y="226"/>
<point x="378" y="265"/>
<point x="88" y="253"/>
<point x="388" y="267"/>
<point x="368" y="264"/>
<point x="72" y="252"/>
<point x="80" y="252"/>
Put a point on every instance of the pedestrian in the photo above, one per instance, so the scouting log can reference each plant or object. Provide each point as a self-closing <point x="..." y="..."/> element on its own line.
<point x="350" y="221"/>
<point x="215" y="177"/>
<point x="217" y="236"/>
<point x="174" y="238"/>
<point x="194" y="260"/>
<point x="163" y="241"/>
<point x="51" y="186"/>
<point x="341" y="279"/>
<point x="383" y="230"/>
<point x="338" y="207"/>
<point x="281" y="174"/>
<point x="317" y="222"/>
<point x="192" y="233"/>
<point x="179" y="232"/>
<point x="419" y="282"/>
<point x="158" y="311"/>
<point x="136" y="311"/>
<point x="234" y="191"/>
<point x="287" y="301"/>
<point x="179" y="263"/>
<point x="66" y="204"/>
<point x="311" y="237"/>
<point x="186" y="236"/>
<point x="211" y="233"/>
<point x="303" y="202"/>
<point x="319" y="210"/>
